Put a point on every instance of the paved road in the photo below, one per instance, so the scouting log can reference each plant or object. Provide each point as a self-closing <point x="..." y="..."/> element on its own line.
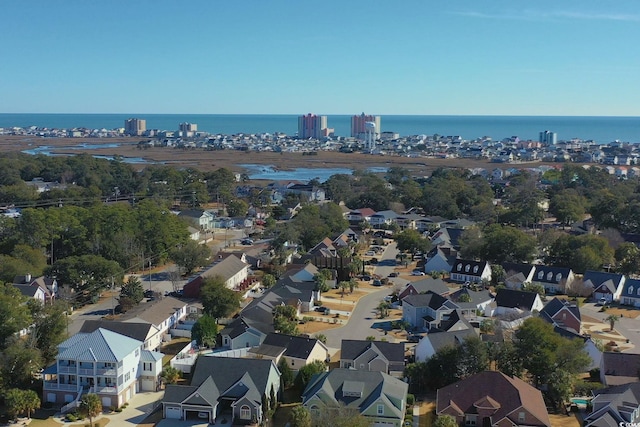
<point x="627" y="326"/>
<point x="363" y="321"/>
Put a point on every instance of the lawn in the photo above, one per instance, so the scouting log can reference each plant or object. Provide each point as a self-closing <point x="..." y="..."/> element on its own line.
<point x="172" y="348"/>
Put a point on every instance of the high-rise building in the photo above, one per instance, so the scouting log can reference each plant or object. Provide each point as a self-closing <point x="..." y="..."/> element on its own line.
<point x="313" y="126"/>
<point x="549" y="138"/>
<point x="135" y="126"/>
<point x="359" y="125"/>
<point x="188" y="127"/>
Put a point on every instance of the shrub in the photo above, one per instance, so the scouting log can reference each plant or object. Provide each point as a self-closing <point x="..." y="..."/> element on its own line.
<point x="71" y="418"/>
<point x="118" y="409"/>
<point x="411" y="399"/>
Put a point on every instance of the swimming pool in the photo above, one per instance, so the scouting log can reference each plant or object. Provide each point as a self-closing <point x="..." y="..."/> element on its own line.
<point x="580" y="401"/>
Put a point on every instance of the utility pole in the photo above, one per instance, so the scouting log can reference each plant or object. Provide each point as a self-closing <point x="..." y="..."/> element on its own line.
<point x="149" y="274"/>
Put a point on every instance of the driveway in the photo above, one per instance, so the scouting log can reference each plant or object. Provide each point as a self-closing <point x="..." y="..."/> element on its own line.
<point x="626" y="326"/>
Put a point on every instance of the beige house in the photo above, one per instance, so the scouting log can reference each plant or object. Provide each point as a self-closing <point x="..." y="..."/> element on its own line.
<point x="297" y="350"/>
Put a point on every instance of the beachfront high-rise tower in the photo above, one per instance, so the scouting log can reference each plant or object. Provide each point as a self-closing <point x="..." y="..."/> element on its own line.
<point x="549" y="138"/>
<point x="359" y="125"/>
<point x="135" y="127"/>
<point x="313" y="126"/>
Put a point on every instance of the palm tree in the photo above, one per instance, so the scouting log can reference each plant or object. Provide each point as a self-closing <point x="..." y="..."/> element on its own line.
<point x="31" y="402"/>
<point x="91" y="406"/>
<point x="612" y="319"/>
<point x="170" y="375"/>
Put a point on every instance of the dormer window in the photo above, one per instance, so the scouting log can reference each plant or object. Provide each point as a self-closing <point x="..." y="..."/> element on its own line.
<point x="459" y="267"/>
<point x="540" y="275"/>
<point x="475" y="269"/>
<point x="558" y="277"/>
<point x="467" y="268"/>
<point x="639" y="292"/>
<point x="630" y="291"/>
<point x="549" y="276"/>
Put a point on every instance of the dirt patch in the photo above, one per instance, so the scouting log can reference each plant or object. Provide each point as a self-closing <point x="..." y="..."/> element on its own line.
<point x="624" y="312"/>
<point x="319" y="325"/>
<point x="561" y="420"/>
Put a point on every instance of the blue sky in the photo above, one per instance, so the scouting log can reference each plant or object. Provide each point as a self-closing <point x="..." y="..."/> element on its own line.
<point x="479" y="57"/>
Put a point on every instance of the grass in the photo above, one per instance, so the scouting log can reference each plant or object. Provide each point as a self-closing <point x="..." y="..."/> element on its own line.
<point x="561" y="420"/>
<point x="427" y="413"/>
<point x="172" y="348"/>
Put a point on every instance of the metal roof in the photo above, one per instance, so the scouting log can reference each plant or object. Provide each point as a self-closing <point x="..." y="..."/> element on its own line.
<point x="99" y="345"/>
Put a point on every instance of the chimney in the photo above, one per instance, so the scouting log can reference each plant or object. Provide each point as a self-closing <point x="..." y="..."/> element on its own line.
<point x="27" y="278"/>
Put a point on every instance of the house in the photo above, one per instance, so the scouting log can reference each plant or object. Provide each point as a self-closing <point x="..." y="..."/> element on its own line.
<point x="356" y="216"/>
<point x="382" y="218"/>
<point x="513" y="301"/>
<point x="423" y="286"/>
<point x="493" y="399"/>
<point x="614" y="406"/>
<point x="554" y="280"/>
<point x="409" y="221"/>
<point x="224" y="388"/>
<point x="469" y="301"/>
<point x="113" y="366"/>
<point x="199" y="218"/>
<point x="377" y="396"/>
<point x="438" y="260"/>
<point x="425" y="310"/>
<point x="373" y="356"/>
<point x="298" y="351"/>
<point x="630" y="294"/>
<point x="454" y="331"/>
<point x="244" y="332"/>
<point x="162" y="313"/>
<point x="619" y="368"/>
<point x="141" y="331"/>
<point x="231" y="270"/>
<point x="44" y="289"/>
<point x="563" y="314"/>
<point x="470" y="271"/>
<point x="606" y="286"/>
<point x="517" y="274"/>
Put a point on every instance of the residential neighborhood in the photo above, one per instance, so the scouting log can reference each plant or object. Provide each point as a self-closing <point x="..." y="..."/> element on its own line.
<point x="320" y="304"/>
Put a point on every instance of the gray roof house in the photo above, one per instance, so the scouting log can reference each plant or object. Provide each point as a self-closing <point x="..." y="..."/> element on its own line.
<point x="141" y="331"/>
<point x="630" y="294"/>
<point x="379" y="397"/>
<point x="614" y="406"/>
<point x="514" y="301"/>
<point x="422" y="286"/>
<point x="454" y="330"/>
<point x="604" y="285"/>
<point x="619" y="368"/>
<point x="113" y="366"/>
<point x="553" y="279"/>
<point x="297" y="350"/>
<point x="470" y="301"/>
<point x="373" y="356"/>
<point x="425" y="310"/>
<point x="224" y="387"/>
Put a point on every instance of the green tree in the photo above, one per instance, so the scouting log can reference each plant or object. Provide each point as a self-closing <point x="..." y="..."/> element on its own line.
<point x="13" y="316"/>
<point x="300" y="417"/>
<point x="19" y="362"/>
<point x="285" y="320"/>
<point x="217" y="300"/>
<point x="472" y="357"/>
<point x="341" y="416"/>
<point x="353" y="284"/>
<point x="612" y="319"/>
<point x="286" y="374"/>
<point x="49" y="327"/>
<point x="170" y="375"/>
<point x="533" y="287"/>
<point x="321" y="278"/>
<point x="411" y="241"/>
<point x="131" y="293"/>
<point x="237" y="207"/>
<point x="580" y="253"/>
<point x="268" y="280"/>
<point x="627" y="257"/>
<point x="91" y="406"/>
<point x="321" y="337"/>
<point x="190" y="255"/>
<point x="31" y="401"/>
<point x="15" y="402"/>
<point x="567" y="206"/>
<point x="507" y="244"/>
<point x="306" y="372"/>
<point x="445" y="421"/>
<point x="343" y="285"/>
<point x="204" y="331"/>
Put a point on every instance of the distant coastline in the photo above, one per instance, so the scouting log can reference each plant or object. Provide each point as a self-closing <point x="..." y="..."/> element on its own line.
<point x="600" y="129"/>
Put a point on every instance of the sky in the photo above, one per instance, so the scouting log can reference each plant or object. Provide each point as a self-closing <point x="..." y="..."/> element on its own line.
<point x="423" y="57"/>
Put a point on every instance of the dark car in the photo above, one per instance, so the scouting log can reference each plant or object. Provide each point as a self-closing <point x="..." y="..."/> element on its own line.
<point x="148" y="293"/>
<point x="323" y="310"/>
<point x="366" y="278"/>
<point x="247" y="242"/>
<point x="377" y="282"/>
<point x="394" y="274"/>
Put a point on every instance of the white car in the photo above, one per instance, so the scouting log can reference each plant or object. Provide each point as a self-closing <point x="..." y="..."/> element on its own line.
<point x="370" y="253"/>
<point x="417" y="273"/>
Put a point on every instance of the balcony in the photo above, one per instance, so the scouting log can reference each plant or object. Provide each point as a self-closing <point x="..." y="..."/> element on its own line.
<point x="52" y="385"/>
<point x="107" y="372"/>
<point x="87" y="372"/>
<point x="66" y="369"/>
<point x="105" y="390"/>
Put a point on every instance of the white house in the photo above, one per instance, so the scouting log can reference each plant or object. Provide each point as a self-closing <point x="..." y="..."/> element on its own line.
<point x="106" y="363"/>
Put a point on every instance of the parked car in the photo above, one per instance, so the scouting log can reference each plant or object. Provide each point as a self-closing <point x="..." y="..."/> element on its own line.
<point x="247" y="242"/>
<point x="323" y="310"/>
<point x="366" y="278"/>
<point x="417" y="273"/>
<point x="393" y="274"/>
<point x="377" y="282"/>
<point x="370" y="253"/>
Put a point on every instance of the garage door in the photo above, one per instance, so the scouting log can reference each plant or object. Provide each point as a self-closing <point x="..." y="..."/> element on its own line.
<point x="106" y="401"/>
<point x="173" y="412"/>
<point x="383" y="424"/>
<point x="148" y="385"/>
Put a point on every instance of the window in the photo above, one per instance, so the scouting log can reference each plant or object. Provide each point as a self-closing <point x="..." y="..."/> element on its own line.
<point x="137" y="352"/>
<point x="638" y="291"/>
<point x="558" y="277"/>
<point x="459" y="267"/>
<point x="549" y="276"/>
<point x="467" y="268"/>
<point x="314" y="410"/>
<point x="540" y="275"/>
<point x="146" y="366"/>
<point x="521" y="417"/>
<point x="470" y="420"/>
<point x="245" y="412"/>
<point x="127" y="376"/>
<point x="630" y="290"/>
<point x="380" y="410"/>
<point x="475" y="269"/>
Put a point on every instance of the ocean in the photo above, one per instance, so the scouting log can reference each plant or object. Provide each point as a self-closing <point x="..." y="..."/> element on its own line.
<point x="602" y="130"/>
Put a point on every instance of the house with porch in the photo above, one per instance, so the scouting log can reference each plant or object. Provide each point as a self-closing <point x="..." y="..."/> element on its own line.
<point x="224" y="388"/>
<point x="470" y="271"/>
<point x="630" y="294"/>
<point x="614" y="406"/>
<point x="111" y="365"/>
<point x="44" y="289"/>
<point x="554" y="280"/>
<point x="377" y="396"/>
<point x="516" y="275"/>
<point x="146" y="332"/>
<point x="162" y="313"/>
<point x="231" y="270"/>
<point x="298" y="351"/>
<point x="425" y="311"/>
<point x="423" y="286"/>
<point x="511" y="301"/>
